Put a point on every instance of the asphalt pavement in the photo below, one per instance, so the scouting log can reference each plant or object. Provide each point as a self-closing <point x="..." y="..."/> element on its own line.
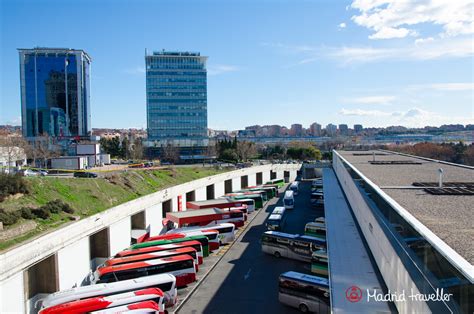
<point x="246" y="280"/>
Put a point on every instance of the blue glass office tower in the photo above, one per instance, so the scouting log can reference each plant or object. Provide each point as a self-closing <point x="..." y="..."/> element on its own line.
<point x="55" y="93"/>
<point x="176" y="95"/>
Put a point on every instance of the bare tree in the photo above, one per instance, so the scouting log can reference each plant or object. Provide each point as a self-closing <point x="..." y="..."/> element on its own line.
<point x="13" y="149"/>
<point x="246" y="150"/>
<point x="170" y="153"/>
<point x="136" y="150"/>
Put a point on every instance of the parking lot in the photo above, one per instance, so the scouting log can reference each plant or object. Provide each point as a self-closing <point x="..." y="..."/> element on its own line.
<point x="245" y="280"/>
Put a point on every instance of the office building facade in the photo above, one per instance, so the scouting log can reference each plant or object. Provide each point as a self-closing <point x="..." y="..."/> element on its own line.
<point x="55" y="93"/>
<point x="176" y="95"/>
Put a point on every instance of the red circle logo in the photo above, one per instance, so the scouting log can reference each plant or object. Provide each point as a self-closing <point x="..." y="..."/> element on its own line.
<point x="353" y="294"/>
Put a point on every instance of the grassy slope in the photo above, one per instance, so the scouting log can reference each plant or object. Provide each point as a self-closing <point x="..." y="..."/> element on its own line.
<point x="90" y="196"/>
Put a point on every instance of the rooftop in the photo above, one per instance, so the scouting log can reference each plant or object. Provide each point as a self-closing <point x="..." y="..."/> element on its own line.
<point x="450" y="217"/>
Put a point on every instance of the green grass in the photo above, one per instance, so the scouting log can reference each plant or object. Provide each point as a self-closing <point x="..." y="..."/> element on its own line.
<point x="90" y="196"/>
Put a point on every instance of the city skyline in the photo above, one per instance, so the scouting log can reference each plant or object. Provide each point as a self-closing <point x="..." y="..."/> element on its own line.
<point x="335" y="64"/>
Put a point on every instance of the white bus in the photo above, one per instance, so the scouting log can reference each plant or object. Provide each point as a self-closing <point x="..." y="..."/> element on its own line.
<point x="289" y="200"/>
<point x="305" y="292"/>
<point x="165" y="282"/>
<point x="295" y="187"/>
<point x="275" y="222"/>
<point x="315" y="229"/>
<point x="226" y="231"/>
<point x="294" y="246"/>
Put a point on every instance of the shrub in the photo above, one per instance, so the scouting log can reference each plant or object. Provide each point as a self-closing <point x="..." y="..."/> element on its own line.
<point x="26" y="213"/>
<point x="57" y="206"/>
<point x="12" y="184"/>
<point x="9" y="218"/>
<point x="41" y="212"/>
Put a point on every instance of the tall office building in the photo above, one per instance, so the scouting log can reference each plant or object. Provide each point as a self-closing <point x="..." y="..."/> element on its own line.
<point x="315" y="129"/>
<point x="55" y="92"/>
<point x="176" y="95"/>
<point x="358" y="128"/>
<point x="343" y="129"/>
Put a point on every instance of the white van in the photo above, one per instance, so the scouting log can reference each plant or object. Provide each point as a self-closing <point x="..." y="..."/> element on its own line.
<point x="295" y="187"/>
<point x="289" y="200"/>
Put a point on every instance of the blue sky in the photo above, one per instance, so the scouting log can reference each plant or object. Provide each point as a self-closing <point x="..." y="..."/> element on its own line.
<point x="270" y="62"/>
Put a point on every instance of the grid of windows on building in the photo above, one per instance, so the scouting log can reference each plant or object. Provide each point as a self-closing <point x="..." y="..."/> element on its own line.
<point x="55" y="87"/>
<point x="176" y="90"/>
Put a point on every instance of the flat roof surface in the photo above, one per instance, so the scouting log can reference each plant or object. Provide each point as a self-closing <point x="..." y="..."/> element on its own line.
<point x="349" y="262"/>
<point x="450" y="217"/>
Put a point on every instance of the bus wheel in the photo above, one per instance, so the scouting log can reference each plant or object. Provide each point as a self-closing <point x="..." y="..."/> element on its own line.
<point x="277" y="254"/>
<point x="303" y="308"/>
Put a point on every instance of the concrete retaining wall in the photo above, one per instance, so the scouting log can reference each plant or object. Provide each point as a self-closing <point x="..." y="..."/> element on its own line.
<point x="71" y="242"/>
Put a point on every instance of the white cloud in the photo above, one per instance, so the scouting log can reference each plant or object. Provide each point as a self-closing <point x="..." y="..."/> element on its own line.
<point x="342" y="25"/>
<point x="139" y="70"/>
<point x="396" y="19"/>
<point x="413" y="117"/>
<point x="448" y="87"/>
<point x="221" y="68"/>
<point x="421" y="41"/>
<point x="371" y="100"/>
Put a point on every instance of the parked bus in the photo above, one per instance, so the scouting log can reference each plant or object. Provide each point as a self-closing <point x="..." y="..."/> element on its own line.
<point x="200" y="238"/>
<point x="140" y="307"/>
<point x="319" y="263"/>
<point x="164" y="247"/>
<point x="277" y="219"/>
<point x="272" y="190"/>
<point x="315" y="229"/>
<point x="320" y="220"/>
<point x="153" y="255"/>
<point x="305" y="292"/>
<point x="221" y="203"/>
<point x="257" y="198"/>
<point x="211" y="234"/>
<point x="207" y="217"/>
<point x="317" y="183"/>
<point x="101" y="302"/>
<point x="295" y="187"/>
<point x="267" y="193"/>
<point x="164" y="282"/>
<point x="181" y="266"/>
<point x="294" y="246"/>
<point x="317" y="199"/>
<point x="279" y="182"/>
<point x="165" y="237"/>
<point x="226" y="231"/>
<point x="289" y="200"/>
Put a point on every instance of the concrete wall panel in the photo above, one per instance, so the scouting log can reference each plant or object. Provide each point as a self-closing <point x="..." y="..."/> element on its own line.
<point x="73" y="264"/>
<point x="219" y="189"/>
<point x="252" y="179"/>
<point x="153" y="217"/>
<point x="201" y="194"/>
<point x="236" y="184"/>
<point x="120" y="235"/>
<point x="265" y="176"/>
<point x="12" y="295"/>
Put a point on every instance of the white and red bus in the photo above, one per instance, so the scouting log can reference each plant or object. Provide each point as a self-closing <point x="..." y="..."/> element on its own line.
<point x="153" y="255"/>
<point x="165" y="237"/>
<point x="140" y="307"/>
<point x="211" y="234"/>
<point x="164" y="282"/>
<point x="164" y="247"/>
<point x="221" y="203"/>
<point x="207" y="217"/>
<point x="101" y="302"/>
<point x="181" y="266"/>
<point x="226" y="231"/>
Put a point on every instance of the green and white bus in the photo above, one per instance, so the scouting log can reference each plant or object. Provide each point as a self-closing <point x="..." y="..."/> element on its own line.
<point x="279" y="182"/>
<point x="315" y="229"/>
<point x="319" y="263"/>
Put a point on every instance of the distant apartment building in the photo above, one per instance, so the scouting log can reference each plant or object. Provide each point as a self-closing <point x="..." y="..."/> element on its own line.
<point x="331" y="129"/>
<point x="55" y="93"/>
<point x="296" y="130"/>
<point x="358" y="128"/>
<point x="315" y="129"/>
<point x="176" y="97"/>
<point x="343" y="129"/>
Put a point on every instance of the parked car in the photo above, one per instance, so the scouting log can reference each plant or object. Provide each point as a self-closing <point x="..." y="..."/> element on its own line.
<point x="84" y="174"/>
<point x="29" y="173"/>
<point x="42" y="172"/>
<point x="148" y="164"/>
<point x="141" y="165"/>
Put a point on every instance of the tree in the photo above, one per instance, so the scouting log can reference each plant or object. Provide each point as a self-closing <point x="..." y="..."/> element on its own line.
<point x="14" y="148"/>
<point x="136" y="150"/>
<point x="229" y="155"/>
<point x="170" y="153"/>
<point x="245" y="150"/>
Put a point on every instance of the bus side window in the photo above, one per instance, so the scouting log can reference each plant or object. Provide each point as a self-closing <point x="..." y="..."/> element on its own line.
<point x="285" y="241"/>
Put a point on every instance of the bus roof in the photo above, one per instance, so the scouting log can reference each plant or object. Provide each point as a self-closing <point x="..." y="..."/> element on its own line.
<point x="315" y="280"/>
<point x="275" y="217"/>
<point x="312" y="239"/>
<point x="161" y="247"/>
<point x="279" y="210"/>
<point x="198" y="215"/>
<point x="202" y="228"/>
<point x="151" y="255"/>
<point x="316" y="224"/>
<point x="172" y="259"/>
<point x="282" y="234"/>
<point x="295" y="183"/>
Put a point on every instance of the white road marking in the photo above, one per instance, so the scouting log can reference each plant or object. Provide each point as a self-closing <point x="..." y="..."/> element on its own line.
<point x="247" y="275"/>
